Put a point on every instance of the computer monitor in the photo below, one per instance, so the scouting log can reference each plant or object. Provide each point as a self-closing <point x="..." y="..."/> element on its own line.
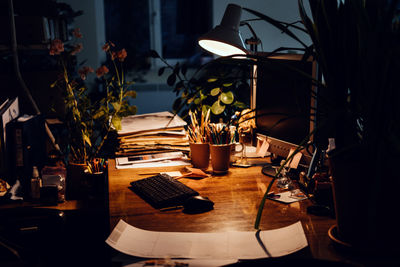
<point x="283" y="101"/>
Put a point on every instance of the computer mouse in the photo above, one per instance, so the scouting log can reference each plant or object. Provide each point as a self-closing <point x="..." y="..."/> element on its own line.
<point x="197" y="204"/>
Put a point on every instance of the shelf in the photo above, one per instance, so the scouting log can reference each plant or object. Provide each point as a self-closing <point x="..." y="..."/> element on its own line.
<point x="27" y="47"/>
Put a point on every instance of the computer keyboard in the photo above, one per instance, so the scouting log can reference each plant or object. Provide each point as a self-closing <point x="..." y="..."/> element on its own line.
<point x="162" y="191"/>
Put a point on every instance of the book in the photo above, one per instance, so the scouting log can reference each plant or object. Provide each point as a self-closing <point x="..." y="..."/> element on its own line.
<point x="9" y="110"/>
<point x="26" y="147"/>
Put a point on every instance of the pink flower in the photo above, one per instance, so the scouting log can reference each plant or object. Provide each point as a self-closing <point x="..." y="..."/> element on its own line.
<point x="84" y="72"/>
<point x="101" y="71"/>
<point x="56" y="47"/>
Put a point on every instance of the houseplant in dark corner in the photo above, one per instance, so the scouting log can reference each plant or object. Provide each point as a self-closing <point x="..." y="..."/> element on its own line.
<point x="357" y="46"/>
<point x="92" y="117"/>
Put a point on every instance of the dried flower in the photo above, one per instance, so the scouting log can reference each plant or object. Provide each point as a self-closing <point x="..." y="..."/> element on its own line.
<point x="121" y="55"/>
<point x="84" y="72"/>
<point x="56" y="47"/>
<point x="77" y="33"/>
<point x="77" y="48"/>
<point x="90" y="122"/>
<point x="106" y="47"/>
<point x="101" y="71"/>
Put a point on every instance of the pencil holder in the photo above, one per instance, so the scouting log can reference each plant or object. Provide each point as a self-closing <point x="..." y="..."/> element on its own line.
<point x="220" y="157"/>
<point x="200" y="155"/>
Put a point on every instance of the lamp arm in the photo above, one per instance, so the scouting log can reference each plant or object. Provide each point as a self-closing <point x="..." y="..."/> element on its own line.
<point x="254" y="41"/>
<point x="242" y="23"/>
<point x="18" y="74"/>
<point x="284" y="27"/>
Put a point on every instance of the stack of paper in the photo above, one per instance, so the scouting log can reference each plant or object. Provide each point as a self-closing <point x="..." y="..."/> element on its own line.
<point x="153" y="160"/>
<point x="152" y="133"/>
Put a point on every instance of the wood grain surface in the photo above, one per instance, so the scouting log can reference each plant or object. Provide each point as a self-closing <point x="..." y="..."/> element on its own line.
<point x="236" y="198"/>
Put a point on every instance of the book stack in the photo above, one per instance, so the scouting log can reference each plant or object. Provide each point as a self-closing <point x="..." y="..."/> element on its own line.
<point x="152" y="133"/>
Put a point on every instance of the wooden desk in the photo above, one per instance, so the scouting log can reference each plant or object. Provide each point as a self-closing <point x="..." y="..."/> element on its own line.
<point x="236" y="198"/>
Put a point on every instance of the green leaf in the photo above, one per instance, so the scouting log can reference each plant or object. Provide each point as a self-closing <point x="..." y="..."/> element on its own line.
<point x="211" y="80"/>
<point x="86" y="139"/>
<point x="227" y="98"/>
<point x="217" y="108"/>
<point x="98" y="114"/>
<point x="176" y="68"/>
<point x="205" y="108"/>
<point x="215" y="91"/>
<point x="197" y="101"/>
<point x="161" y="71"/>
<point x="176" y="105"/>
<point x="171" y="79"/>
<point x="184" y="69"/>
<point x="227" y="84"/>
<point x="116" y="105"/>
<point x="130" y="93"/>
<point x="116" y="122"/>
<point x="132" y="110"/>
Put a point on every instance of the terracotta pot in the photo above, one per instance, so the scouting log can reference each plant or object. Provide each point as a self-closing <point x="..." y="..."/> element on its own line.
<point x="200" y="155"/>
<point x="365" y="208"/>
<point x="220" y="158"/>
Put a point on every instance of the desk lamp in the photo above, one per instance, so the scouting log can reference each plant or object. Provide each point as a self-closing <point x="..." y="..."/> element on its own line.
<point x="225" y="39"/>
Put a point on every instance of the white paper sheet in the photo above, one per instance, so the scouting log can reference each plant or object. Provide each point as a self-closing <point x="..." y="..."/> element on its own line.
<point x="226" y="245"/>
<point x="164" y="163"/>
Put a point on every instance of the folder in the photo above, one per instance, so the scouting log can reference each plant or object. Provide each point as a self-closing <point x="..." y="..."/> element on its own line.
<point x="9" y="110"/>
<point x="26" y="148"/>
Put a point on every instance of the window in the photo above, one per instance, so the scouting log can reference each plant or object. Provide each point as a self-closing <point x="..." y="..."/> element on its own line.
<point x="171" y="27"/>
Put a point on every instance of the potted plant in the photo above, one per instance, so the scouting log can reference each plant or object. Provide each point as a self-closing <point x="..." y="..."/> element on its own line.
<point x="91" y="117"/>
<point x="220" y="85"/>
<point x="356" y="45"/>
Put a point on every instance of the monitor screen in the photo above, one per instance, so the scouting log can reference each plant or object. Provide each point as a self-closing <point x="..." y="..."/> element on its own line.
<point x="283" y="98"/>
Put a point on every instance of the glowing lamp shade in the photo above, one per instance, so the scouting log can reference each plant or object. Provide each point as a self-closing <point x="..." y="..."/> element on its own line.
<point x="225" y="39"/>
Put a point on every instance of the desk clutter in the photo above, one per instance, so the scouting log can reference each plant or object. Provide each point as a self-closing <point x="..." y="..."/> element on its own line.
<point x="152" y="133"/>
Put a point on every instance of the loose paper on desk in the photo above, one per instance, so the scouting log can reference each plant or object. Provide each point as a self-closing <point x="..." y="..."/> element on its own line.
<point x="150" y="121"/>
<point x="225" y="245"/>
<point x="152" y="160"/>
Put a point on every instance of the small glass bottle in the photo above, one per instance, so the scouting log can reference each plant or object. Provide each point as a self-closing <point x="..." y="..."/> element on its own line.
<point x="36" y="183"/>
<point x="54" y="173"/>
